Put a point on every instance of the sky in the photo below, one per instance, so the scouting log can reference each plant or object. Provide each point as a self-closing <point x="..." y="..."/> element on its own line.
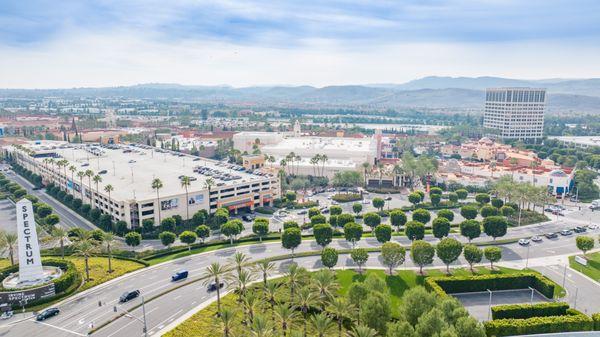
<point x="91" y="43"/>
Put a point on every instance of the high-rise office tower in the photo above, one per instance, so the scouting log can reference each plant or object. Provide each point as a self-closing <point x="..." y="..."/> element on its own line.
<point x="517" y="113"/>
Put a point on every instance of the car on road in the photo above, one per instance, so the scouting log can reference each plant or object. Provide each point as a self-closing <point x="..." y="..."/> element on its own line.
<point x="551" y="235"/>
<point x="593" y="226"/>
<point x="44" y="315"/>
<point x="248" y="217"/>
<point x="324" y="210"/>
<point x="536" y="238"/>
<point x="366" y="202"/>
<point x="524" y="242"/>
<point x="302" y="212"/>
<point x="579" y="229"/>
<point x="180" y="275"/>
<point x="566" y="232"/>
<point x="129" y="295"/>
<point x="388" y="198"/>
<point x="37" y="188"/>
<point x="213" y="286"/>
<point x="558" y="212"/>
<point x="103" y="172"/>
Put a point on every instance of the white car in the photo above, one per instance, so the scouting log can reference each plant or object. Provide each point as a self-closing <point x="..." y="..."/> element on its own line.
<point x="524" y="242"/>
<point x="536" y="238"/>
<point x="593" y="226"/>
<point x="366" y="202"/>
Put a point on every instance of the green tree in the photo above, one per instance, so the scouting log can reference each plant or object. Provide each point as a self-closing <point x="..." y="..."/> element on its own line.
<point x="435" y="191"/>
<point x="414" y="198"/>
<point x="435" y="199"/>
<point x="448" y="250"/>
<point x="291" y="239"/>
<point x="203" y="232"/>
<point x="383" y="233"/>
<point x="378" y="203"/>
<point x="335" y="210"/>
<point x="313" y="211"/>
<point x="482" y="198"/>
<point x="470" y="229"/>
<point x="372" y="219"/>
<point x="43" y="210"/>
<point x="440" y="227"/>
<point x="497" y="202"/>
<point x="148" y="225"/>
<point x="352" y="232"/>
<point x="232" y="228"/>
<point x="397" y="219"/>
<point x="507" y="211"/>
<point x="329" y="257"/>
<point x="157" y="185"/>
<point x="290" y="224"/>
<point x="453" y="197"/>
<point x="167" y="238"/>
<point x="214" y="274"/>
<point x="414" y="230"/>
<point x="323" y="234"/>
<point x="431" y="323"/>
<point x="86" y="248"/>
<point x="472" y="254"/>
<point x="360" y="257"/>
<point x="52" y="220"/>
<point x="495" y="226"/>
<point x="421" y="215"/>
<point x="199" y="218"/>
<point x="468" y="212"/>
<point x="488" y="211"/>
<point x="469" y="327"/>
<point x="400" y="329"/>
<point x="417" y="301"/>
<point x="462" y="194"/>
<point x="188" y="237"/>
<point x="58" y="234"/>
<point x="357" y="208"/>
<point x="446" y="213"/>
<point x="376" y="312"/>
<point x="168" y="224"/>
<point x="133" y="239"/>
<point x="584" y="243"/>
<point x="343" y="219"/>
<point x="421" y="252"/>
<point x="492" y="254"/>
<point x="392" y="255"/>
<point x="260" y="227"/>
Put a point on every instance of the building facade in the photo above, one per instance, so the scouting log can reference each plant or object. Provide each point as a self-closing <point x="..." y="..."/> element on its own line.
<point x="516" y="113"/>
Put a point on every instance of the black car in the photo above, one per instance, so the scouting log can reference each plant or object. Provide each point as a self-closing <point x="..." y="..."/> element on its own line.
<point x="579" y="229"/>
<point x="128" y="296"/>
<point x="551" y="235"/>
<point x="50" y="312"/>
<point x="213" y="286"/>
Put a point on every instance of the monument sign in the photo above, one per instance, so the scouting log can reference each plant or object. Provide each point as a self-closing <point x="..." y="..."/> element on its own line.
<point x="30" y="262"/>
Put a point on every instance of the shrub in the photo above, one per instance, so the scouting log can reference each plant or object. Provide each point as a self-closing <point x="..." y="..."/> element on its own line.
<point x="290" y="224"/>
<point x="529" y="310"/>
<point x="372" y="219"/>
<point x="468" y="212"/>
<point x="313" y="211"/>
<point x="440" y="227"/>
<point x="414" y="198"/>
<point x="421" y="215"/>
<point x="346" y="197"/>
<point x="335" y="210"/>
<point x="507" y="211"/>
<point x="574" y="321"/>
<point x="488" y="211"/>
<point x="414" y="230"/>
<point x="446" y="213"/>
<point x="383" y="233"/>
<point x="512" y="205"/>
<point x="462" y="194"/>
<point x="482" y="198"/>
<point x="497" y="202"/>
<point x="453" y="197"/>
<point x="596" y="318"/>
<point x="343" y="219"/>
<point x="435" y="190"/>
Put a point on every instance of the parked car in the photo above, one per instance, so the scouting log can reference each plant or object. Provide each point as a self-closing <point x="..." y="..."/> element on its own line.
<point x="180" y="275"/>
<point x="536" y="238"/>
<point x="44" y="315"/>
<point x="580" y="229"/>
<point x="129" y="295"/>
<point x="566" y="232"/>
<point x="366" y="202"/>
<point x="103" y="172"/>
<point x="302" y="212"/>
<point x="551" y="235"/>
<point x="248" y="217"/>
<point x="593" y="226"/>
<point x="388" y="198"/>
<point x="213" y="286"/>
<point x="523" y="242"/>
<point x="325" y="210"/>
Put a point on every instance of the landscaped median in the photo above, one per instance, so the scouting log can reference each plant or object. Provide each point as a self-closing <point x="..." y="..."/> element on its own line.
<point x="591" y="270"/>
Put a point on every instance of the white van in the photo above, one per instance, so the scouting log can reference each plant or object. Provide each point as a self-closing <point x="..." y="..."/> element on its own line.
<point x="595" y="204"/>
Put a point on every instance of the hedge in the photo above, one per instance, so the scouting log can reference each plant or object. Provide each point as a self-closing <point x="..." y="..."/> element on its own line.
<point x="463" y="284"/>
<point x="529" y="310"/>
<point x="573" y="320"/>
<point x="346" y="197"/>
<point x="64" y="286"/>
<point x="596" y="319"/>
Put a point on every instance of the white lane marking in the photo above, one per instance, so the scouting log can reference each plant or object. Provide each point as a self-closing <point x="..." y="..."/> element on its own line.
<point x="133" y="320"/>
<point x="177" y="297"/>
<point x="168" y="319"/>
<point x="61" y="329"/>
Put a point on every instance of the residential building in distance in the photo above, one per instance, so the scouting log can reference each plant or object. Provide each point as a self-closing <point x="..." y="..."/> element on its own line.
<point x="130" y="170"/>
<point x="517" y="113"/>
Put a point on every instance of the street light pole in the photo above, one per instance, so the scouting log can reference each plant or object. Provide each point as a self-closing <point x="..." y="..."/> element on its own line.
<point x="564" y="277"/>
<point x="144" y="314"/>
<point x="489" y="305"/>
<point x="527" y="261"/>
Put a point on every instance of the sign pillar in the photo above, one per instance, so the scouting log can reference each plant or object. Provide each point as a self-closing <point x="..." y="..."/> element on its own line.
<point x="30" y="262"/>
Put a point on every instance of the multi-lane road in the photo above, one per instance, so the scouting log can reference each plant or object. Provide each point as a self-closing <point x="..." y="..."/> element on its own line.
<point x="83" y="311"/>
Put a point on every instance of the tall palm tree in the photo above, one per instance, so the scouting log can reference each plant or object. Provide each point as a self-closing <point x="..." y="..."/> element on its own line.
<point x="89" y="174"/>
<point x="227" y="320"/>
<point x="86" y="248"/>
<point x="72" y="168"/>
<point x="108" y="239"/>
<point x="283" y="164"/>
<point x="534" y="165"/>
<point x="298" y="159"/>
<point x="8" y="242"/>
<point x="215" y="273"/>
<point x="58" y="233"/>
<point x="363" y="331"/>
<point x="305" y="300"/>
<point x="285" y="316"/>
<point x="109" y="188"/>
<point x="80" y="175"/>
<point x="250" y="302"/>
<point x="365" y="167"/>
<point x="324" y="160"/>
<point x="314" y="161"/>
<point x="340" y="309"/>
<point x="261" y="327"/>
<point x="238" y="261"/>
<point x="97" y="179"/>
<point x="513" y="162"/>
<point x="325" y="284"/>
<point x="185" y="183"/>
<point x="321" y="323"/>
<point x="157" y="185"/>
<point x="294" y="279"/>
<point x="242" y="281"/>
<point x="208" y="184"/>
<point x="265" y="268"/>
<point x="59" y="164"/>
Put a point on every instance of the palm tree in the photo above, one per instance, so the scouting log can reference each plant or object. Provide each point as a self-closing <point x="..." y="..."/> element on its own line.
<point x="109" y="188"/>
<point x="261" y="327"/>
<point x="270" y="290"/>
<point x="534" y="165"/>
<point x="89" y="174"/>
<point x="208" y="183"/>
<point x="97" y="179"/>
<point x="108" y="238"/>
<point x="283" y="165"/>
<point x="265" y="268"/>
<point x="365" y="167"/>
<point x="324" y="159"/>
<point x="61" y="235"/>
<point x="157" y="185"/>
<point x="298" y="159"/>
<point x="380" y="172"/>
<point x="321" y="323"/>
<point x="214" y="273"/>
<point x="325" y="284"/>
<point x="363" y="331"/>
<point x="314" y="161"/>
<point x="250" y="302"/>
<point x="86" y="247"/>
<point x="238" y="261"/>
<point x="72" y="168"/>
<point x="306" y="299"/>
<point x="80" y="175"/>
<point x="339" y="308"/>
<point x="513" y="162"/>
<point x="185" y="183"/>
<point x="294" y="279"/>
<point x="242" y="280"/>
<point x="285" y="316"/>
<point x="8" y="242"/>
<point x="227" y="317"/>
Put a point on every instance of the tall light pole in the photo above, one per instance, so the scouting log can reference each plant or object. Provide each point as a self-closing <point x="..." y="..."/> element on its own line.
<point x="489" y="305"/>
<point x="527" y="261"/>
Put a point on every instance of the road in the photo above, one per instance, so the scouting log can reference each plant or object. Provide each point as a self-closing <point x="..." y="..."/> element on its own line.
<point x="82" y="310"/>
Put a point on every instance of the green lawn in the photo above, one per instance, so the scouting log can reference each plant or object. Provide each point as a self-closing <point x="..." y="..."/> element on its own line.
<point x="592" y="270"/>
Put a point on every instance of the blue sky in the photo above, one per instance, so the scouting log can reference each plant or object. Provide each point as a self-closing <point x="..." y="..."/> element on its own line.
<point x="93" y="43"/>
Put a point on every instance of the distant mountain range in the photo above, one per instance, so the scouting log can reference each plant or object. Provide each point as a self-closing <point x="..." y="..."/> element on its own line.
<point x="565" y="95"/>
